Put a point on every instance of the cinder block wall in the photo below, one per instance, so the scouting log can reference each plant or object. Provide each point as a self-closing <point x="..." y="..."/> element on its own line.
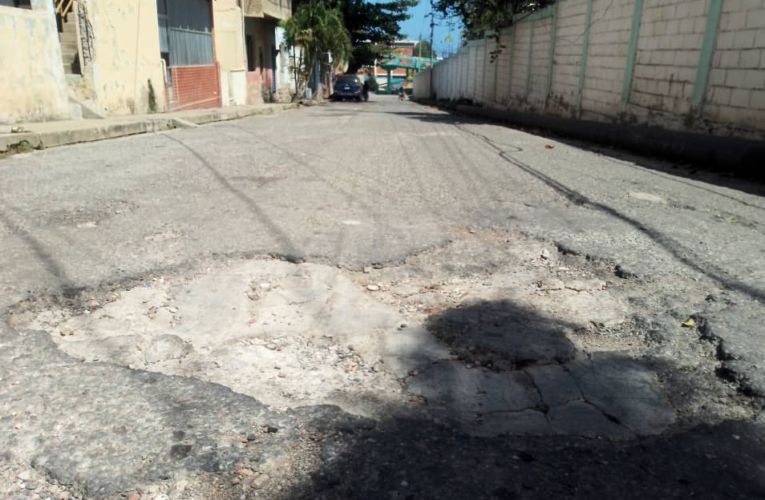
<point x="608" y="49"/>
<point x="692" y="65"/>
<point x="736" y="92"/>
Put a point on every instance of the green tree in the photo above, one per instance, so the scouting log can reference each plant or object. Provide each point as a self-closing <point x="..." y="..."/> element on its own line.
<point x="318" y="31"/>
<point x="479" y="16"/>
<point x="422" y="49"/>
<point x="373" y="27"/>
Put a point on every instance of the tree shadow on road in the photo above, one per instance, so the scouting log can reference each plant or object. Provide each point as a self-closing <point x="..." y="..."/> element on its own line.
<point x="567" y="426"/>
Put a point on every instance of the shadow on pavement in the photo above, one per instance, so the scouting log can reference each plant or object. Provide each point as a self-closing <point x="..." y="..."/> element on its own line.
<point x="45" y="258"/>
<point x="543" y="422"/>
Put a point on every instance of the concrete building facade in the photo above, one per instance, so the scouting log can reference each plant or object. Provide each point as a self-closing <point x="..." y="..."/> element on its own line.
<point x="114" y="57"/>
<point x="35" y="89"/>
<point x="267" y="77"/>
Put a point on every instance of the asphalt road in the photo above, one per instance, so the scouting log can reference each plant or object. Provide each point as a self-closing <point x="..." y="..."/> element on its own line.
<point x="361" y="184"/>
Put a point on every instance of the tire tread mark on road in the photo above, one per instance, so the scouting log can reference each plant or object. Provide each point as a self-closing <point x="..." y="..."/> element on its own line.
<point x="665" y="242"/>
<point x="453" y="175"/>
<point x="485" y="184"/>
<point x="288" y="248"/>
<point x="450" y="169"/>
<point x="482" y="184"/>
<point x="473" y="187"/>
<point x="375" y="215"/>
<point x="438" y="218"/>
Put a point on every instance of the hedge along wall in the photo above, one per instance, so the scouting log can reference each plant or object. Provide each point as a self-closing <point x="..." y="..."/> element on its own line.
<point x="677" y="64"/>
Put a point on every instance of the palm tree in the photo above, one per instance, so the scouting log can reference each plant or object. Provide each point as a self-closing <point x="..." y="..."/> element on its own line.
<point x="318" y="31"/>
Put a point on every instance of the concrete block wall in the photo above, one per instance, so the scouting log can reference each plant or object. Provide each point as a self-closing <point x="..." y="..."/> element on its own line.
<point x="422" y="91"/>
<point x="688" y="65"/>
<point x="472" y="73"/>
<point x="490" y="63"/>
<point x="540" y="63"/>
<point x="608" y="48"/>
<point x="452" y="82"/>
<point x="669" y="48"/>
<point x="520" y="66"/>
<point x="568" y="55"/>
<point x="480" y="73"/>
<point x="503" y="68"/>
<point x="449" y="77"/>
<point x="736" y="91"/>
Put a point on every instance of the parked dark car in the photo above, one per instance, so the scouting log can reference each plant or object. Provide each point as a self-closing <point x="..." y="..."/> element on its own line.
<point x="348" y="87"/>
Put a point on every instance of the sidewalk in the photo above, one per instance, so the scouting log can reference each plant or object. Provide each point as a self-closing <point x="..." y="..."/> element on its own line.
<point x="59" y="133"/>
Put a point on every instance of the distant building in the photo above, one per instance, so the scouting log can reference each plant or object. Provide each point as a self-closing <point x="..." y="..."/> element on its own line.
<point x="401" y="47"/>
<point x="405" y="64"/>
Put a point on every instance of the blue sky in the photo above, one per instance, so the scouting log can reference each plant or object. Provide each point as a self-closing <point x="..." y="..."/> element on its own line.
<point x="420" y="25"/>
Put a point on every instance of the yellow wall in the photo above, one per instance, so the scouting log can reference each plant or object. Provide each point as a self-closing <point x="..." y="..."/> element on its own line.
<point x="229" y="41"/>
<point x="125" y="55"/>
<point x="32" y="82"/>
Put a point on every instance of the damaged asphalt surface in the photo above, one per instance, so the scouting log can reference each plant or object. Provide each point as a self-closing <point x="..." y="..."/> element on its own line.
<point x="377" y="301"/>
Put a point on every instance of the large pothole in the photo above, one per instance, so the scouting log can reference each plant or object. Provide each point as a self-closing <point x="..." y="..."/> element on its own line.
<point x="497" y="359"/>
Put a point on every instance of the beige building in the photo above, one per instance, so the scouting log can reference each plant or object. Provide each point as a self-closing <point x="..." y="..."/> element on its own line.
<point x="81" y="58"/>
<point x="92" y="58"/>
<point x="266" y="58"/>
<point x="251" y="62"/>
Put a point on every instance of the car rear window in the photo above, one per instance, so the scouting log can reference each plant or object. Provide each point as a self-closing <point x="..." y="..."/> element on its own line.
<point x="347" y="79"/>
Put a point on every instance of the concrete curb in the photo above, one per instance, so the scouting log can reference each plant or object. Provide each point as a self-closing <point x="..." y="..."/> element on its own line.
<point x="102" y="129"/>
<point x="181" y="123"/>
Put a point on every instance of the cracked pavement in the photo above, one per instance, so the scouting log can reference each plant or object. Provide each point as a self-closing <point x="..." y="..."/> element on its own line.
<point x="377" y="300"/>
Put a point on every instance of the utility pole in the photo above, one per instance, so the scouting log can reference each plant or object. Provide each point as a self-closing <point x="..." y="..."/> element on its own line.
<point x="432" y="27"/>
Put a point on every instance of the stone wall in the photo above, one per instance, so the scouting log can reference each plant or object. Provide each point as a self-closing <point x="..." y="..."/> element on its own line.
<point x="683" y="65"/>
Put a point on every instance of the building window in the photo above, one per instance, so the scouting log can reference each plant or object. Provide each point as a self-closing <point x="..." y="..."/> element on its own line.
<point x="22" y="4"/>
